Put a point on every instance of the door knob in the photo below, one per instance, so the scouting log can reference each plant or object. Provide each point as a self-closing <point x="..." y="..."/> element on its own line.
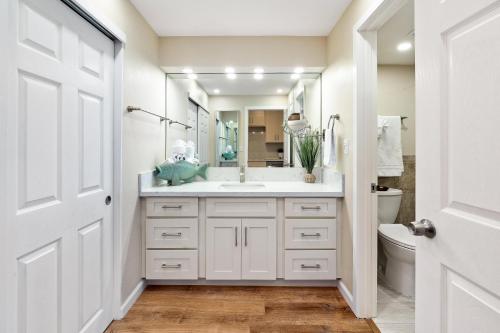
<point x="107" y="201"/>
<point x="423" y="227"/>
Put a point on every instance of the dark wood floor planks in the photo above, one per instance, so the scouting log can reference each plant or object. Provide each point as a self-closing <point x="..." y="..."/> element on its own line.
<point x="217" y="309"/>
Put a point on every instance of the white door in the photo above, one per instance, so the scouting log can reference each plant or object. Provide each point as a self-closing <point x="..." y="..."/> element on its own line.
<point x="223" y="249"/>
<point x="258" y="255"/>
<point x="203" y="140"/>
<point x="192" y="120"/>
<point x="58" y="161"/>
<point x="458" y="178"/>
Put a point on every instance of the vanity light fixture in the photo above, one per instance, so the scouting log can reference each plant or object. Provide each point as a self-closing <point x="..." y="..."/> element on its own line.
<point x="404" y="46"/>
<point x="216" y="91"/>
<point x="192" y="76"/>
<point x="258" y="73"/>
<point x="230" y="73"/>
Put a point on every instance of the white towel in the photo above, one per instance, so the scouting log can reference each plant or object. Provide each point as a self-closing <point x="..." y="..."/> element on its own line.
<point x="390" y="151"/>
<point x="329" y="157"/>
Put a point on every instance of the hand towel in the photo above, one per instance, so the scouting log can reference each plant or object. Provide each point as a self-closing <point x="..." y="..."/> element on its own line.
<point x="329" y="157"/>
<point x="390" y="151"/>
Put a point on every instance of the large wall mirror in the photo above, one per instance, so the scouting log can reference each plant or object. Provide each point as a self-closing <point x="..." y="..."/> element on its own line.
<point x="238" y="119"/>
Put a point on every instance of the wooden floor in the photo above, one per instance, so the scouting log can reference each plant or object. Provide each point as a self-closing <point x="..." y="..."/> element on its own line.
<point x="210" y="309"/>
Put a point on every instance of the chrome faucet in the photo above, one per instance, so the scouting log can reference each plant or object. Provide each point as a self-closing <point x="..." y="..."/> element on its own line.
<point x="242" y="173"/>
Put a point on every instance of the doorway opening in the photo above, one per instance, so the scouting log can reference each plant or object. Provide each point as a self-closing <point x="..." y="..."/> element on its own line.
<point x="395" y="105"/>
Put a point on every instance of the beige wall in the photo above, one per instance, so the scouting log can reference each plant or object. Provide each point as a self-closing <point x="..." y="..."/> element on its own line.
<point x="143" y="135"/>
<point x="218" y="52"/>
<point x="237" y="103"/>
<point x="338" y="98"/>
<point x="396" y="97"/>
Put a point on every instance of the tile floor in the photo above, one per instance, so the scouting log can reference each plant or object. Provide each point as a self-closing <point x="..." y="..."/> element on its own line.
<point x="396" y="313"/>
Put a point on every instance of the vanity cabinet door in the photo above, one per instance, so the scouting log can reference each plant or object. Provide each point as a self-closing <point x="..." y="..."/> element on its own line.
<point x="258" y="249"/>
<point x="223" y="249"/>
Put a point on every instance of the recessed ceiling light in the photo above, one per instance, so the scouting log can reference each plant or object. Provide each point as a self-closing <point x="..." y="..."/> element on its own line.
<point x="187" y="70"/>
<point x="404" y="46"/>
<point x="295" y="76"/>
<point x="192" y="76"/>
<point x="299" y="70"/>
<point x="279" y="91"/>
<point x="216" y="91"/>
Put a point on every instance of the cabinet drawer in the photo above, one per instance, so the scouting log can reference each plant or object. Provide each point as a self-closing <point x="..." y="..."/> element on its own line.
<point x="310" y="207"/>
<point x="241" y="207"/>
<point x="172" y="233"/>
<point x="172" y="264"/>
<point x="310" y="233"/>
<point x="174" y="207"/>
<point x="310" y="265"/>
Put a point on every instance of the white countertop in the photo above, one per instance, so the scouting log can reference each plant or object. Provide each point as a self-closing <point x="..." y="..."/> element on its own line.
<point x="271" y="189"/>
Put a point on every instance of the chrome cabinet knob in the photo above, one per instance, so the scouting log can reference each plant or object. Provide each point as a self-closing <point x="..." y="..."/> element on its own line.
<point x="423" y="227"/>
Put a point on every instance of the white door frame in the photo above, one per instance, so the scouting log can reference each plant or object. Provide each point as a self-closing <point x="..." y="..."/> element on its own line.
<point x="365" y="155"/>
<point x="245" y="124"/>
<point x="97" y="19"/>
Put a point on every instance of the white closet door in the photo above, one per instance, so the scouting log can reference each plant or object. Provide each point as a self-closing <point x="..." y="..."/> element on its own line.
<point x="258" y="249"/>
<point x="203" y="143"/>
<point x="223" y="249"/>
<point x="58" y="125"/>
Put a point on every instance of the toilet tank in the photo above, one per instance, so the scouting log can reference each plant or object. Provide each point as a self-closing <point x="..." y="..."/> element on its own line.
<point x="388" y="203"/>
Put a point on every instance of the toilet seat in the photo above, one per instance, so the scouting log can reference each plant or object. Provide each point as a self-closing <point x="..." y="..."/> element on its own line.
<point x="397" y="234"/>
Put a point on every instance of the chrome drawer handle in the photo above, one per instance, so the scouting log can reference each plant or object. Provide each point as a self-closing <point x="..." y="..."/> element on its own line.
<point x="171" y="207"/>
<point x="171" y="266"/>
<point x="310" y="235"/>
<point x="164" y="234"/>
<point x="311" y="208"/>
<point x="317" y="266"/>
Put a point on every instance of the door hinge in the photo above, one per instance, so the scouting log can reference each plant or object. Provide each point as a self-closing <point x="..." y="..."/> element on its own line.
<point x="373" y="187"/>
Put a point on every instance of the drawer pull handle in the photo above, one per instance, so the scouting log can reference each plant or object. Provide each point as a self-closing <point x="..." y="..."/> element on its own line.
<point x="164" y="234"/>
<point x="310" y="235"/>
<point x="236" y="236"/>
<point x="171" y="207"/>
<point x="317" y="266"/>
<point x="311" y="208"/>
<point x="171" y="266"/>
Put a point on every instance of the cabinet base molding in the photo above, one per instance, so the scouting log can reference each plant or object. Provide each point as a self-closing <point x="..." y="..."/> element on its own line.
<point x="249" y="283"/>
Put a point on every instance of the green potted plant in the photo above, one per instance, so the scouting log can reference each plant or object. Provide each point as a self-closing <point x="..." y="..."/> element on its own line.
<point x="308" y="147"/>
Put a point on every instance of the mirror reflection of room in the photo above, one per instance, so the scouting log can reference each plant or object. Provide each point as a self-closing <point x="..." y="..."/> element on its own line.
<point x="237" y="120"/>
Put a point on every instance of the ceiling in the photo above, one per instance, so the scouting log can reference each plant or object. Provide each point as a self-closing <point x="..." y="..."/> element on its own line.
<point x="242" y="17"/>
<point x="398" y="29"/>
<point x="245" y="84"/>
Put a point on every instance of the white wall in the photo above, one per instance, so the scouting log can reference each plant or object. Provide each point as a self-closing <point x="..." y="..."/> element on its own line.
<point x="143" y="135"/>
<point x="396" y="97"/>
<point x="338" y="98"/>
<point x="237" y="103"/>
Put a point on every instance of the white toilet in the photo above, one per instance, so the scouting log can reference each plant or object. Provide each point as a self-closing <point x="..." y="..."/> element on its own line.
<point x="397" y="260"/>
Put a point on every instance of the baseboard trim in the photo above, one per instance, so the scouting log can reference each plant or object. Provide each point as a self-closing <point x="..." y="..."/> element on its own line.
<point x="253" y="283"/>
<point x="347" y="295"/>
<point x="132" y="298"/>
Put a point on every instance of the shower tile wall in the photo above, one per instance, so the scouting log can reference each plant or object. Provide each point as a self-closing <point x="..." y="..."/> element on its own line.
<point x="407" y="184"/>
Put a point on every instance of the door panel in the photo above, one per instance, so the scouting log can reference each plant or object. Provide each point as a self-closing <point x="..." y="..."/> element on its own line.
<point x="58" y="125"/>
<point x="458" y="75"/>
<point x="259" y="249"/>
<point x="223" y="249"/>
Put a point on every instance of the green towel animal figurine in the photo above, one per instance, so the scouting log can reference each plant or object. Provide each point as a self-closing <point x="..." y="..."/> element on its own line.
<point x="180" y="172"/>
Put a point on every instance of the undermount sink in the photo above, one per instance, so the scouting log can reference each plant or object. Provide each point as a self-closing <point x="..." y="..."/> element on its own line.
<point x="242" y="186"/>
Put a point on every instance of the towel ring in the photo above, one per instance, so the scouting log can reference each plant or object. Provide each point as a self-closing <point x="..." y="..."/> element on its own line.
<point x="333" y="117"/>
